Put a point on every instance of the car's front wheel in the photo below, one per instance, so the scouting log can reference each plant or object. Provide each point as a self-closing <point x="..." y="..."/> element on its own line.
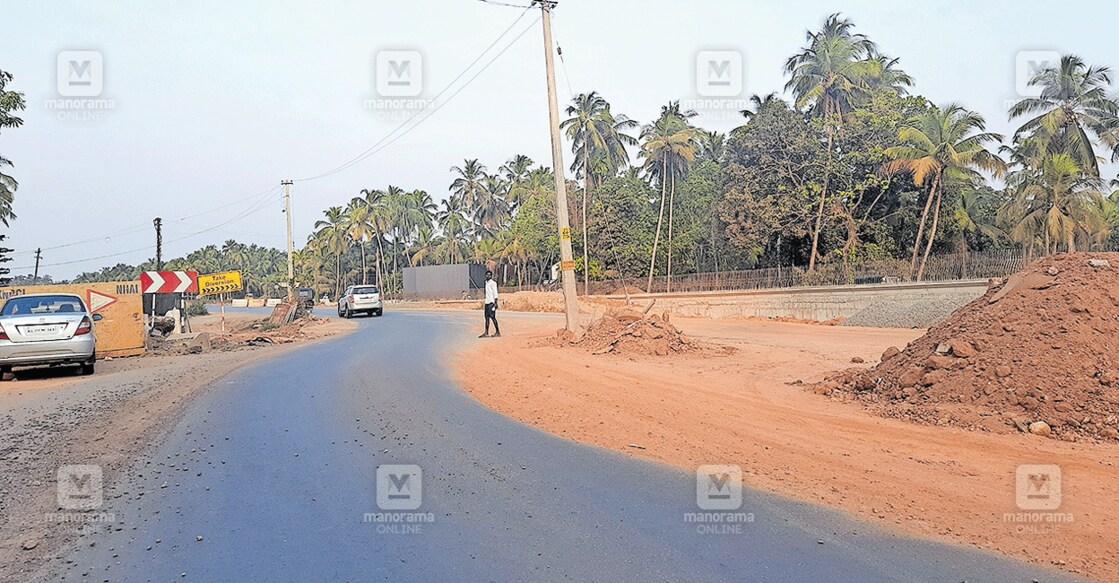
<point x="5" y="372"/>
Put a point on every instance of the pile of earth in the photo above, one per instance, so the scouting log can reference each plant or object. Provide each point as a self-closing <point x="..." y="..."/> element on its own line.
<point x="1037" y="353"/>
<point x="632" y="333"/>
<point x="532" y="301"/>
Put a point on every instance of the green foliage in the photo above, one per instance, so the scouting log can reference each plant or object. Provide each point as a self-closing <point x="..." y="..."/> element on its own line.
<point x="196" y="308"/>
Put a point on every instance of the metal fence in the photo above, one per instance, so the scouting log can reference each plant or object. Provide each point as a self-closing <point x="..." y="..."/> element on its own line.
<point x="946" y="267"/>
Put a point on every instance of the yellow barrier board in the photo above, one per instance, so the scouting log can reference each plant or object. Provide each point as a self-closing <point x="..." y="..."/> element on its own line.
<point x="219" y="283"/>
<point x="121" y="329"/>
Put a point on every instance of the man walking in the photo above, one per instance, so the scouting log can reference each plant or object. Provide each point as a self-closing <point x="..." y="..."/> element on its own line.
<point x="491" y="306"/>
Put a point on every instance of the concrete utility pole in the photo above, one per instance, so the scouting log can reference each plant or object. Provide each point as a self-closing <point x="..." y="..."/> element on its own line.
<point x="291" y="247"/>
<point x="567" y="262"/>
<point x="158" y="222"/>
<point x="38" y="256"/>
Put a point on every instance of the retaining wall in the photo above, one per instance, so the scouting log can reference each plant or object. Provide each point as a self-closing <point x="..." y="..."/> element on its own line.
<point x="811" y="303"/>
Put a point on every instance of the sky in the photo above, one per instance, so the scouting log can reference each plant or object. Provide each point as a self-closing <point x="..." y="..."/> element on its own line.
<point x="205" y="106"/>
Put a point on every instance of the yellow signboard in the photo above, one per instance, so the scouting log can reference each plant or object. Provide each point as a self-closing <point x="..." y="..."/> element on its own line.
<point x="219" y="283"/>
<point x="121" y="329"/>
<point x="565" y="233"/>
<point x="567" y="265"/>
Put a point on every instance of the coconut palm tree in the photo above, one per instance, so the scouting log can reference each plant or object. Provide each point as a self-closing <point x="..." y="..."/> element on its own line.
<point x="515" y="172"/>
<point x="599" y="141"/>
<point x="936" y="143"/>
<point x="331" y="234"/>
<point x="1073" y="110"/>
<point x="1059" y="202"/>
<point x="491" y="210"/>
<point x="469" y="184"/>
<point x="832" y="74"/>
<point x="455" y="229"/>
<point x="668" y="147"/>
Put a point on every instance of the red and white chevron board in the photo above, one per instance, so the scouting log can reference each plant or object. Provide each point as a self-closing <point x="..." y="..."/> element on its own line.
<point x="168" y="282"/>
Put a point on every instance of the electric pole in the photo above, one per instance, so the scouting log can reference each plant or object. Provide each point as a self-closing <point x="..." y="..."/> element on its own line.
<point x="567" y="262"/>
<point x="291" y="248"/>
<point x="158" y="243"/>
<point x="38" y="256"/>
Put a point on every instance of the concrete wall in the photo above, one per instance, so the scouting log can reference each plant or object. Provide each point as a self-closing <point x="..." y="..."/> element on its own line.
<point x="811" y="303"/>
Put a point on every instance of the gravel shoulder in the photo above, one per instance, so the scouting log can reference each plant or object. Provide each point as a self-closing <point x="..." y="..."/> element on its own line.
<point x="50" y="418"/>
<point x="748" y="409"/>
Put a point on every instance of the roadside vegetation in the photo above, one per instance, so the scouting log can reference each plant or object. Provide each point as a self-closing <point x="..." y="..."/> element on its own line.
<point x="855" y="166"/>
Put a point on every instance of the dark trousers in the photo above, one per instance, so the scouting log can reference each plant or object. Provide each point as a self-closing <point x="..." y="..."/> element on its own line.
<point x="491" y="314"/>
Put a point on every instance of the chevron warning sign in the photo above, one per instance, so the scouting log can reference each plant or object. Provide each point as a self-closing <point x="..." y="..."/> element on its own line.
<point x="168" y="282"/>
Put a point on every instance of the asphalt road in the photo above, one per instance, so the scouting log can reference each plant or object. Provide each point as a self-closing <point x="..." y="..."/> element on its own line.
<point x="276" y="469"/>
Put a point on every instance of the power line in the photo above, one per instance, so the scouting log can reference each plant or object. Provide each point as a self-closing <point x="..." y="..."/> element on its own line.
<point x="388" y="138"/>
<point x="259" y="206"/>
<point x="504" y="4"/>
<point x="145" y="226"/>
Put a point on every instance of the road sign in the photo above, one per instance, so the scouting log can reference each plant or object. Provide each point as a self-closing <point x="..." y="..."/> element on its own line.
<point x="567" y="265"/>
<point x="98" y="300"/>
<point x="169" y="282"/>
<point x="565" y="233"/>
<point x="219" y="283"/>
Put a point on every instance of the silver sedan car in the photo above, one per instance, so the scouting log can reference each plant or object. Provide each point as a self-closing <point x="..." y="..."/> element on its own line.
<point x="360" y="298"/>
<point x="46" y="329"/>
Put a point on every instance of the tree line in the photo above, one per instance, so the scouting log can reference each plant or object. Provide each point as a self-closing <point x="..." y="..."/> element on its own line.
<point x="852" y="167"/>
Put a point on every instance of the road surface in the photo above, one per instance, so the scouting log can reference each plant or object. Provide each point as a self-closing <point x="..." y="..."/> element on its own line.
<point x="271" y="476"/>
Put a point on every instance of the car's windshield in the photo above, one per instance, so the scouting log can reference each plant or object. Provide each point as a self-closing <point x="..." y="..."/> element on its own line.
<point x="31" y="305"/>
<point x="365" y="290"/>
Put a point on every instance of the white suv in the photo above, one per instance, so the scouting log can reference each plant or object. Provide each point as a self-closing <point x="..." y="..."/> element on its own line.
<point x="360" y="298"/>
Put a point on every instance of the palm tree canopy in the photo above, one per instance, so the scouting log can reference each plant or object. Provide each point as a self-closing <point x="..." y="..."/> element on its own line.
<point x="1074" y="106"/>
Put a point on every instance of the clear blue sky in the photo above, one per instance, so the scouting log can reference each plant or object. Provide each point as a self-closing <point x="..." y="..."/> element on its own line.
<point x="217" y="101"/>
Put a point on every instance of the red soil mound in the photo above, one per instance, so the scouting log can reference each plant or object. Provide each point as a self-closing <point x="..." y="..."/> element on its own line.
<point x="1037" y="353"/>
<point x="628" y="332"/>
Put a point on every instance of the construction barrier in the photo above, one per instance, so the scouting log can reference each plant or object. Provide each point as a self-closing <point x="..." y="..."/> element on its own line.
<point x="121" y="329"/>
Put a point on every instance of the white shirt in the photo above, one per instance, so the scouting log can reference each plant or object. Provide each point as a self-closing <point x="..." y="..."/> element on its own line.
<point x="491" y="291"/>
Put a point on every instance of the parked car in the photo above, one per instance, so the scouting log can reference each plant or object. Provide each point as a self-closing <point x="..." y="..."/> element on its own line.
<point x="307" y="296"/>
<point x="46" y="329"/>
<point x="360" y="298"/>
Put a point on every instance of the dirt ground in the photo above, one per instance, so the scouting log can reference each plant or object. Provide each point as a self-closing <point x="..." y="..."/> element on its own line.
<point x="51" y="417"/>
<point x="745" y="408"/>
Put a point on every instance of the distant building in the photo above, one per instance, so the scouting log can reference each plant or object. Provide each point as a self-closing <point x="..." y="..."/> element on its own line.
<point x="444" y="282"/>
